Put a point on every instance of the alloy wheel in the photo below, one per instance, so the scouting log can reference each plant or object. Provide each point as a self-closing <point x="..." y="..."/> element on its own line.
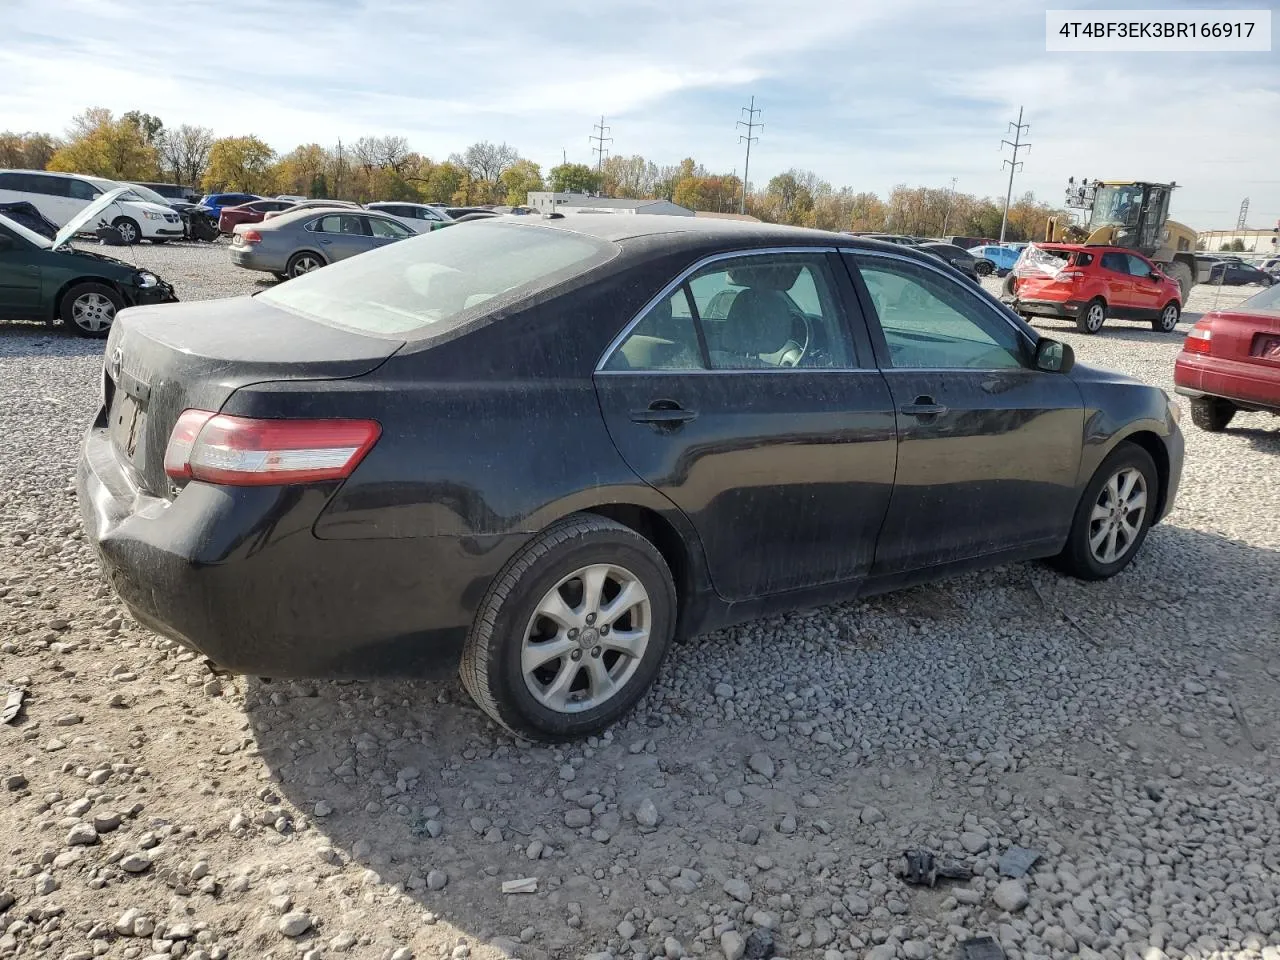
<point x="1117" y="515"/>
<point x="1169" y="318"/>
<point x="586" y="638"/>
<point x="305" y="264"/>
<point x="1095" y="317"/>
<point x="92" y="312"/>
<point x="128" y="232"/>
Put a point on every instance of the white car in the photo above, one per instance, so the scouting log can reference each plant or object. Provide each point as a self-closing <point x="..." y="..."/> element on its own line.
<point x="60" y="196"/>
<point x="421" y="217"/>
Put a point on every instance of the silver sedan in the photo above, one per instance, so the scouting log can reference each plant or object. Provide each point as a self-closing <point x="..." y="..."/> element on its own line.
<point x="297" y="242"/>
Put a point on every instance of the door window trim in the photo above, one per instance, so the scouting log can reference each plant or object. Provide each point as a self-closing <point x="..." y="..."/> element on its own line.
<point x="881" y="346"/>
<point x="844" y="320"/>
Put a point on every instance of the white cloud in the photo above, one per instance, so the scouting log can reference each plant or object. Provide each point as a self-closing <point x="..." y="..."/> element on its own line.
<point x="866" y="94"/>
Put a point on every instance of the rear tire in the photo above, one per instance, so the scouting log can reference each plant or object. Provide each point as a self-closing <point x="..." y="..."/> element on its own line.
<point x="89" y="309"/>
<point x="982" y="269"/>
<point x="1182" y="273"/>
<point x="304" y="261"/>
<point x="1212" y="413"/>
<point x="1114" y="514"/>
<point x="1093" y="316"/>
<point x="1009" y="286"/>
<point x="510" y="665"/>
<point x="1167" y="321"/>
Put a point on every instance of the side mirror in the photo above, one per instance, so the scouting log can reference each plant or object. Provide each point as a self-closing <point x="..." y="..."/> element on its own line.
<point x="1054" y="356"/>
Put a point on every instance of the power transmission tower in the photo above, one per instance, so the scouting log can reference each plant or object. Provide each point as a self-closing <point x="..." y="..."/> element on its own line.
<point x="1244" y="212"/>
<point x="749" y="138"/>
<point x="599" y="139"/>
<point x="951" y="195"/>
<point x="1014" y="165"/>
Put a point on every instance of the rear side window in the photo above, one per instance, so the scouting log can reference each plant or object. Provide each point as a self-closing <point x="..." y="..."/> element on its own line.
<point x="80" y="190"/>
<point x="1115" y="262"/>
<point x="1082" y="259"/>
<point x="438" y="281"/>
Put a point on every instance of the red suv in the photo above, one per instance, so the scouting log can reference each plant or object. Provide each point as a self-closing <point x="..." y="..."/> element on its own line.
<point x="1090" y="284"/>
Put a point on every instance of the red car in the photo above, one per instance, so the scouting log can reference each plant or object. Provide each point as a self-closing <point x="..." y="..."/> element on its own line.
<point x="1089" y="284"/>
<point x="1231" y="361"/>
<point x="251" y="212"/>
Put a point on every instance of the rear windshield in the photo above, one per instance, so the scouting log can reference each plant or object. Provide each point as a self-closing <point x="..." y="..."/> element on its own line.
<point x="437" y="281"/>
<point x="1268" y="300"/>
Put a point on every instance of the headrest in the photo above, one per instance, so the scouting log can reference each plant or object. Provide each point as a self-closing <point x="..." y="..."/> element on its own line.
<point x="772" y="276"/>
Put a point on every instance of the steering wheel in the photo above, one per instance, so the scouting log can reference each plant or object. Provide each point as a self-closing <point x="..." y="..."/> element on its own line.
<point x="792" y="352"/>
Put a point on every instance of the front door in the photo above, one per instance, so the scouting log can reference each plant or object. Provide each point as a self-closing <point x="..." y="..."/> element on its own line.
<point x="988" y="446"/>
<point x="19" y="278"/>
<point x="747" y="399"/>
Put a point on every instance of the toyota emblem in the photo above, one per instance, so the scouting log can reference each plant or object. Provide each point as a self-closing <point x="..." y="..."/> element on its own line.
<point x="117" y="362"/>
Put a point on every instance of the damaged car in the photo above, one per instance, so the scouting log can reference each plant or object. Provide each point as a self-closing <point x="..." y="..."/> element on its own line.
<point x="50" y="280"/>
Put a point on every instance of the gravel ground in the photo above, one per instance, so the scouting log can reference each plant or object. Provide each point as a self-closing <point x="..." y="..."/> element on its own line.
<point x="757" y="802"/>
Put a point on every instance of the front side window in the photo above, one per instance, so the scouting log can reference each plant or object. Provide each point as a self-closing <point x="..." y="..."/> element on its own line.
<point x="763" y="312"/>
<point x="388" y="229"/>
<point x="1137" y="266"/>
<point x="931" y="321"/>
<point x="81" y="190"/>
<point x="1115" y="262"/>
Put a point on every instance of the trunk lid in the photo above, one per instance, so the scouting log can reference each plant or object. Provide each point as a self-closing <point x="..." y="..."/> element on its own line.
<point x="1251" y="337"/>
<point x="161" y="360"/>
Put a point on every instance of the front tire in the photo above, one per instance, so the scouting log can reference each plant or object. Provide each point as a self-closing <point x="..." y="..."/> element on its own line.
<point x="90" y="308"/>
<point x="1167" y="321"/>
<point x="1212" y="414"/>
<point x="982" y="269"/>
<point x="572" y="632"/>
<point x="1114" y="514"/>
<point x="1093" y="316"/>
<point x="128" y="229"/>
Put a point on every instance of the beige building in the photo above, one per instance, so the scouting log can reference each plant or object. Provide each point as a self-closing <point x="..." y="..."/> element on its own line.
<point x="1254" y="241"/>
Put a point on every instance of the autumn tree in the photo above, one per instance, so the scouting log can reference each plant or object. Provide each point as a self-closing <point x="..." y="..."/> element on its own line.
<point x="26" y="151"/>
<point x="98" y="143"/>
<point x="519" y="179"/>
<point x="185" y="152"/>
<point x="573" y="178"/>
<point x="301" y="171"/>
<point x="633" y="177"/>
<point x="239" y="163"/>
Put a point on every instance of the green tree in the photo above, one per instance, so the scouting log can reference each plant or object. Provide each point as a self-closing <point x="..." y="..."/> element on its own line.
<point x="443" y="181"/>
<point x="298" y="171"/>
<point x="573" y="178"/>
<point x="240" y="163"/>
<point x="519" y="179"/>
<point x="101" y="144"/>
<point x="151" y="127"/>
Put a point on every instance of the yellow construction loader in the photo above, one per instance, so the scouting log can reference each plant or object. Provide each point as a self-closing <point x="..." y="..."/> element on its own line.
<point x="1133" y="214"/>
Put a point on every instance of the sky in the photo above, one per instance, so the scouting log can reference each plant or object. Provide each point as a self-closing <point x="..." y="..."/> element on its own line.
<point x="866" y="93"/>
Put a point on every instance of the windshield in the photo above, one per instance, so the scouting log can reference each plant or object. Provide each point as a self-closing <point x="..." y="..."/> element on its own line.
<point x="1116" y="206"/>
<point x="138" y="192"/>
<point x="27" y="235"/>
<point x="437" y="281"/>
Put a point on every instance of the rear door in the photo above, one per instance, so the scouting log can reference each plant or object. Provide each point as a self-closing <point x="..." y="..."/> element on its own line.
<point x="988" y="447"/>
<point x="1113" y="270"/>
<point x="1148" y="293"/>
<point x="342" y="235"/>
<point x="745" y="396"/>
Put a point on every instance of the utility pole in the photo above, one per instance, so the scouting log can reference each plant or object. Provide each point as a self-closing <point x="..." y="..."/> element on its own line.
<point x="749" y="138"/>
<point x="1014" y="165"/>
<point x="946" y="217"/>
<point x="599" y="139"/>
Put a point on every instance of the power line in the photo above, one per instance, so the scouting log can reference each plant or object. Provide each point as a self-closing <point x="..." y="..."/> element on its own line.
<point x="1014" y="165"/>
<point x="599" y="139"/>
<point x="750" y="138"/>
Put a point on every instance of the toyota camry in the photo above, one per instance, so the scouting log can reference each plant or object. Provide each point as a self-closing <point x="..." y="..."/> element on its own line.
<point x="537" y="450"/>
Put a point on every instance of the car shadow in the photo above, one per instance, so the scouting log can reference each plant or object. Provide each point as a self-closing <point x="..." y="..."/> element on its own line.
<point x="1262" y="440"/>
<point x="411" y="782"/>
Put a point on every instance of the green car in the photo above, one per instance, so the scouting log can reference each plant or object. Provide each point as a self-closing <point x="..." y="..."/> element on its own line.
<point x="50" y="280"/>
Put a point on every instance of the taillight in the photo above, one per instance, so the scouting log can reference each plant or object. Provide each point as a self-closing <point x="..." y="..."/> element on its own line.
<point x="243" y="452"/>
<point x="1199" y="339"/>
<point x="1069" y="276"/>
<point x="249" y="236"/>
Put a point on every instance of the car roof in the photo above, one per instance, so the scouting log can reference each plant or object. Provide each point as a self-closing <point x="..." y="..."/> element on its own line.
<point x="615" y="227"/>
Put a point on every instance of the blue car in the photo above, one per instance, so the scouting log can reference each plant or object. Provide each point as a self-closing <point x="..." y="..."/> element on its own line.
<point x="216" y="201"/>
<point x="1003" y="257"/>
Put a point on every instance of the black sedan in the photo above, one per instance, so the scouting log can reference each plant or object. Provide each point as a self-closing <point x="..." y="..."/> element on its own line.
<point x="541" y="449"/>
<point x="1235" y="273"/>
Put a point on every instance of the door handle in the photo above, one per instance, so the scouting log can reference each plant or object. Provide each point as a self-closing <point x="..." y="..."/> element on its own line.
<point x="325" y="240"/>
<point x="923" y="407"/>
<point x="666" y="413"/>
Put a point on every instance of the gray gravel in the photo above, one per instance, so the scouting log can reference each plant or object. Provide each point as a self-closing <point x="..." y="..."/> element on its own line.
<point x="765" y="789"/>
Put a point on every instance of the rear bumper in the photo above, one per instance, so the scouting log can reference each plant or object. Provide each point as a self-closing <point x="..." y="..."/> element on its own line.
<point x="1254" y="384"/>
<point x="237" y="575"/>
<point x="1049" y="308"/>
<point x="252" y="259"/>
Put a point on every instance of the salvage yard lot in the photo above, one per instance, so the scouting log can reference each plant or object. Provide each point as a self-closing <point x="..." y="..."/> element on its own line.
<point x="1128" y="731"/>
